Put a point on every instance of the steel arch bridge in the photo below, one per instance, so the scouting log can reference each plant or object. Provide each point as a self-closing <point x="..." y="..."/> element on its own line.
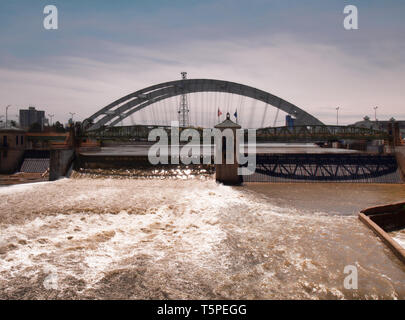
<point x="138" y="100"/>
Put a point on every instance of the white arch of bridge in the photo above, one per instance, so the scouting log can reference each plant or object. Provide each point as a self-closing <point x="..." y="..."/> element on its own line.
<point x="138" y="100"/>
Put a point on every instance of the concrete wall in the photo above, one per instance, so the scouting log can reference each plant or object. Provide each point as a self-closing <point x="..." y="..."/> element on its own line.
<point x="10" y="160"/>
<point x="60" y="161"/>
<point x="383" y="219"/>
<point x="12" y="146"/>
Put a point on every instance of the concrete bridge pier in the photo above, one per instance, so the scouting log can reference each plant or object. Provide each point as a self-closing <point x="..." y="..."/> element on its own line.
<point x="62" y="156"/>
<point x="227" y="173"/>
<point x="60" y="162"/>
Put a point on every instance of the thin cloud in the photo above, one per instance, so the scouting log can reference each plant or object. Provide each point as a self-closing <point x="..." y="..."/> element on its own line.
<point x="315" y="77"/>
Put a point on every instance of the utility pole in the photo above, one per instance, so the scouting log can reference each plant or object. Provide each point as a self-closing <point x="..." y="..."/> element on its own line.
<point x="183" y="108"/>
<point x="337" y="116"/>
<point x="51" y="116"/>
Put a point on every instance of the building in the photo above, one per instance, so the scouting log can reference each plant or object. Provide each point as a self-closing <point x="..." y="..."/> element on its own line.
<point x="380" y="125"/>
<point x="30" y="116"/>
<point x="44" y="140"/>
<point x="289" y="121"/>
<point x="12" y="147"/>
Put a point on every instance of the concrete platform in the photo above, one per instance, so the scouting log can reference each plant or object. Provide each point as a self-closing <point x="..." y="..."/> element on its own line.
<point x="383" y="219"/>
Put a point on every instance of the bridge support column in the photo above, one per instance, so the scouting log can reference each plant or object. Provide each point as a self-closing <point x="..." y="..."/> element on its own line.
<point x="60" y="162"/>
<point x="63" y="155"/>
<point x="227" y="173"/>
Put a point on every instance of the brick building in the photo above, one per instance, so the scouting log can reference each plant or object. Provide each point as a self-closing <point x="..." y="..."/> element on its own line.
<point x="12" y="147"/>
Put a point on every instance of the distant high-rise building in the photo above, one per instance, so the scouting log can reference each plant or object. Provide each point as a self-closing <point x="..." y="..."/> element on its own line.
<point x="30" y="116"/>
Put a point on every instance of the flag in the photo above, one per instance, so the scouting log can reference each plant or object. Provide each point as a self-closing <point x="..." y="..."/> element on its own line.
<point x="219" y="113"/>
<point x="236" y="114"/>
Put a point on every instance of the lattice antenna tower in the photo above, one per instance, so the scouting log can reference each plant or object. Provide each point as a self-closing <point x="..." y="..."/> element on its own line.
<point x="184" y="120"/>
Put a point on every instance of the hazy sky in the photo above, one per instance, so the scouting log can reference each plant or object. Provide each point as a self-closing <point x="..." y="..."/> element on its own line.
<point x="297" y="50"/>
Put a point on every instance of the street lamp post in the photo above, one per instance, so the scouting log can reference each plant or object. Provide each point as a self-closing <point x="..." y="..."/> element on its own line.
<point x="337" y="116"/>
<point x="375" y="113"/>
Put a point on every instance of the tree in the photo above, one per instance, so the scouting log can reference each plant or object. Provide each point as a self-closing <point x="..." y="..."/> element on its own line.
<point x="35" y="127"/>
<point x="59" y="127"/>
<point x="366" y="118"/>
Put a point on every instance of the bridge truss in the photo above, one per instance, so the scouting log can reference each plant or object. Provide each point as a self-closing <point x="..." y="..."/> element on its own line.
<point x="325" y="167"/>
<point x="278" y="134"/>
<point x="319" y="133"/>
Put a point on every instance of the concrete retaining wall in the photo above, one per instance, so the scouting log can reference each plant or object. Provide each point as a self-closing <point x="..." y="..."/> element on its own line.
<point x="60" y="161"/>
<point x="10" y="159"/>
<point x="383" y="219"/>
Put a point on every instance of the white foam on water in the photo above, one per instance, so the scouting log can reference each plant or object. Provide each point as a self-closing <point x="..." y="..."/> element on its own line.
<point x="86" y="228"/>
<point x="400" y="238"/>
<point x="97" y="242"/>
<point x="5" y="190"/>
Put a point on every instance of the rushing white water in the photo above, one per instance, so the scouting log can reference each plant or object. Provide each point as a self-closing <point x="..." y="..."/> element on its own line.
<point x="399" y="237"/>
<point x="145" y="239"/>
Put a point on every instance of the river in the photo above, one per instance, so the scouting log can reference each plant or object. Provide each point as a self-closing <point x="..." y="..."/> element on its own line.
<point x="191" y="238"/>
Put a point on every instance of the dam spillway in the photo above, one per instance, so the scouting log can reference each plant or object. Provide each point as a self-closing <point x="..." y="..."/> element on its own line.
<point x="275" y="162"/>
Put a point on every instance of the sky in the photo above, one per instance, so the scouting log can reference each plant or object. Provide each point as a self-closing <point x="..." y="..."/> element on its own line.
<point x="295" y="49"/>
